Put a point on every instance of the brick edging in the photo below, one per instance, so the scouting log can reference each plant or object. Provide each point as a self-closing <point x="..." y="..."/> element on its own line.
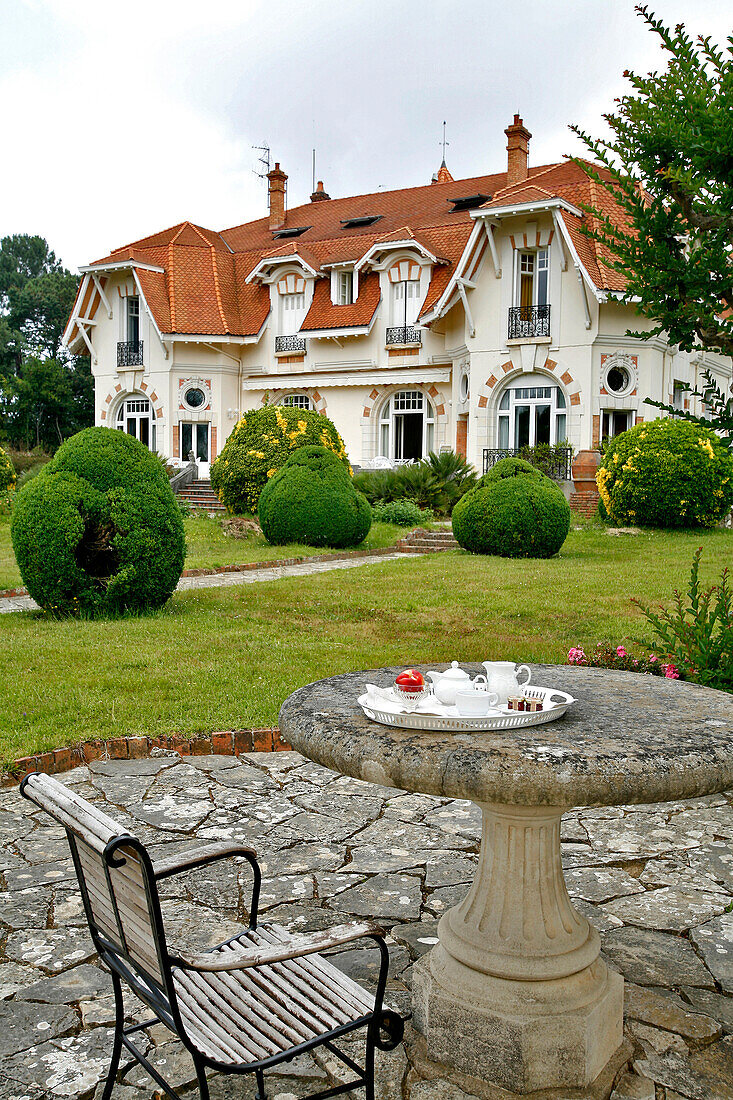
<point x="248" y="566"/>
<point x="224" y="743"/>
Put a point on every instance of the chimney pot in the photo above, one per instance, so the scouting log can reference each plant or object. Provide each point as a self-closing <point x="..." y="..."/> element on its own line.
<point x="276" y="196"/>
<point x="517" y="148"/>
<point x="319" y="195"/>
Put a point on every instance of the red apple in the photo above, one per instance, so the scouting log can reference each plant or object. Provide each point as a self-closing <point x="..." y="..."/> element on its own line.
<point x="410" y="680"/>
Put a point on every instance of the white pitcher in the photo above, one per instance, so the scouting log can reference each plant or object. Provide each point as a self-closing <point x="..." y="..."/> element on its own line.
<point x="503" y="678"/>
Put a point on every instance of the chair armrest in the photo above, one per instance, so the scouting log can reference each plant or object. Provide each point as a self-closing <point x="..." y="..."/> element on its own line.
<point x="199" y="857"/>
<point x="296" y="947"/>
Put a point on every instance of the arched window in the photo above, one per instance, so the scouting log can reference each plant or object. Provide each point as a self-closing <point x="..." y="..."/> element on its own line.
<point x="296" y="401"/>
<point x="407" y="426"/>
<point x="531" y="411"/>
<point x="135" y="416"/>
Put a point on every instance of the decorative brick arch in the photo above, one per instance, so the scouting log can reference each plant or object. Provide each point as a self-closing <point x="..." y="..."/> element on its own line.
<point x="317" y="400"/>
<point x="508" y="369"/>
<point x="120" y="392"/>
<point x="380" y="394"/>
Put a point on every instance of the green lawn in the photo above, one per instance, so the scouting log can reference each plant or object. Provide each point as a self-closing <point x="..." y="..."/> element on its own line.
<point x="226" y="658"/>
<point x="209" y="546"/>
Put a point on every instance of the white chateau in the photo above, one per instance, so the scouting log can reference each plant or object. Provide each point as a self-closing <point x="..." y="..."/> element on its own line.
<point x="465" y="314"/>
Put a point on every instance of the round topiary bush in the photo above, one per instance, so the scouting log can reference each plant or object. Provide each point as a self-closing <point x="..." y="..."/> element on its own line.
<point x="666" y="473"/>
<point x="312" y="500"/>
<point x="98" y="530"/>
<point x="518" y="515"/>
<point x="7" y="474"/>
<point x="510" y="467"/>
<point x="259" y="445"/>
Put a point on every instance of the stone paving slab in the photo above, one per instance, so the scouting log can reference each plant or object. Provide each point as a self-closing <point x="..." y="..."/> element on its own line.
<point x="226" y="580"/>
<point x="656" y="880"/>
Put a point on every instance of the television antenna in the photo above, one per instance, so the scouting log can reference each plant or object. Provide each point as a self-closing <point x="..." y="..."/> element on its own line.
<point x="263" y="160"/>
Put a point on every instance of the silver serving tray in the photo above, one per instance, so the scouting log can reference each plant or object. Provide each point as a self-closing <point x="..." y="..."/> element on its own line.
<point x="432" y="715"/>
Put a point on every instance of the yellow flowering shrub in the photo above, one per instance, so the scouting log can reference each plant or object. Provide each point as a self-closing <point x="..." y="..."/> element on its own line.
<point x="259" y="446"/>
<point x="7" y="475"/>
<point x="666" y="473"/>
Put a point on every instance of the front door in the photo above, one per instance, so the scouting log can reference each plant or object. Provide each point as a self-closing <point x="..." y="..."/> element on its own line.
<point x="195" y="437"/>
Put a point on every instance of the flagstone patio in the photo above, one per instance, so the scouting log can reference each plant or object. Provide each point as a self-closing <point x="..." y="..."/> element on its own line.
<point x="657" y="882"/>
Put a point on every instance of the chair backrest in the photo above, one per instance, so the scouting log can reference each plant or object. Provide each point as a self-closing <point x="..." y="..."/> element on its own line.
<point x="115" y="877"/>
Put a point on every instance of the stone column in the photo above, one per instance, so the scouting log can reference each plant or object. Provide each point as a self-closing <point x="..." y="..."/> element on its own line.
<point x="517" y="974"/>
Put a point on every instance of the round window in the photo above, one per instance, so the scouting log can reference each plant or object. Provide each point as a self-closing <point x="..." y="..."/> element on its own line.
<point x="194" y="398"/>
<point x="618" y="379"/>
<point x="464" y="387"/>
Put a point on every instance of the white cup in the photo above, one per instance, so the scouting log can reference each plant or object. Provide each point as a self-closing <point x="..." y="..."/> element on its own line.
<point x="474" y="702"/>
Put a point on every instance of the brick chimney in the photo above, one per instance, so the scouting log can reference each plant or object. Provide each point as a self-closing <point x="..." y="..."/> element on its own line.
<point x="319" y="195"/>
<point x="276" y="195"/>
<point x="517" y="148"/>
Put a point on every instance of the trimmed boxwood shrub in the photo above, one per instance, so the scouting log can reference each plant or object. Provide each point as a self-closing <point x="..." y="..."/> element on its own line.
<point x="517" y="513"/>
<point x="312" y="500"/>
<point x="7" y="474"/>
<point x="666" y="473"/>
<point x="403" y="513"/>
<point x="99" y="530"/>
<point x="259" y="445"/>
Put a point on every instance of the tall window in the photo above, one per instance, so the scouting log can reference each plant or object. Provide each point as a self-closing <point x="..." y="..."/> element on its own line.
<point x="293" y="312"/>
<point x="133" y="319"/>
<point x="344" y="288"/>
<point x="533" y="269"/>
<point x="135" y="416"/>
<point x="531" y="412"/>
<point x="614" y="422"/>
<point x="405" y="302"/>
<point x="407" y="426"/>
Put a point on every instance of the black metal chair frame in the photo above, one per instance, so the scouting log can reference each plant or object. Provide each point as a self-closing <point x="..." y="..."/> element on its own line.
<point x="384" y="1027"/>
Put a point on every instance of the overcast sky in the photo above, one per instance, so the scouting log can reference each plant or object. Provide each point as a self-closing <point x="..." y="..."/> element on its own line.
<point x="123" y="118"/>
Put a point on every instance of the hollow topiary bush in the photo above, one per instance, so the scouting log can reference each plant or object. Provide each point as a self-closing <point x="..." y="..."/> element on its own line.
<point x="259" y="445"/>
<point x="517" y="513"/>
<point x="98" y="530"/>
<point x="7" y="474"/>
<point x="312" y="500"/>
<point x="666" y="473"/>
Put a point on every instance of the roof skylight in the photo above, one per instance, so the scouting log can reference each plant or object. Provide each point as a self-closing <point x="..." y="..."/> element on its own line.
<point x="466" y="202"/>
<point x="290" y="231"/>
<point x="362" y="219"/>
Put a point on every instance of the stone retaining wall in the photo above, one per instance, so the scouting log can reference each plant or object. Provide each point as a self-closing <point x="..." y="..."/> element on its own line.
<point x="224" y="743"/>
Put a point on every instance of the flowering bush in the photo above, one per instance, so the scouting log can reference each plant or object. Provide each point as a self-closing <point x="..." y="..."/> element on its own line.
<point x="7" y="476"/>
<point x="607" y="656"/>
<point x="666" y="473"/>
<point x="259" y="446"/>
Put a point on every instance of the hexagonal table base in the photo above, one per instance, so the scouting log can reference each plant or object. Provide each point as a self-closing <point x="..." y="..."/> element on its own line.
<point x="523" y="1035"/>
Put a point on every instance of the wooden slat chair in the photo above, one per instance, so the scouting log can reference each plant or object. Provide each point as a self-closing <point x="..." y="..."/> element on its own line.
<point x="258" y="1000"/>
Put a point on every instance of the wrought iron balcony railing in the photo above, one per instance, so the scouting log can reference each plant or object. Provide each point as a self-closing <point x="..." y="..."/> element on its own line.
<point x="404" y="334"/>
<point x="129" y="353"/>
<point x="290" y="344"/>
<point x="556" y="462"/>
<point x="526" y="322"/>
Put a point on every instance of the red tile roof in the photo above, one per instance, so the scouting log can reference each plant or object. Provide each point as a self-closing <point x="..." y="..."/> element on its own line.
<point x="204" y="291"/>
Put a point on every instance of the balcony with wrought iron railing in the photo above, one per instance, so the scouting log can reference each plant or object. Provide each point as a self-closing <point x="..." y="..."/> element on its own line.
<point x="408" y="336"/>
<point x="289" y="345"/>
<point x="529" y="322"/>
<point x="129" y="353"/>
<point x="556" y="462"/>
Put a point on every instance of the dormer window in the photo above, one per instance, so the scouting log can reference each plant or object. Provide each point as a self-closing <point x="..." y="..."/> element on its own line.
<point x="344" y="288"/>
<point x="291" y="291"/>
<point x="406" y="298"/>
<point x="133" y="319"/>
<point x="533" y="278"/>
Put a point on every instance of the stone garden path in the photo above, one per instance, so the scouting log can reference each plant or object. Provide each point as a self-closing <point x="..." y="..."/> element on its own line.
<point x="224" y="580"/>
<point x="657" y="881"/>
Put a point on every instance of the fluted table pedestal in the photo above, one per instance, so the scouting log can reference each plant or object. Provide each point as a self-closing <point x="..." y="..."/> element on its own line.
<point x="515" y="992"/>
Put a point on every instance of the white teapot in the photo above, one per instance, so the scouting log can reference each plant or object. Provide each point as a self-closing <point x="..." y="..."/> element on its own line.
<point x="503" y="677"/>
<point x="446" y="684"/>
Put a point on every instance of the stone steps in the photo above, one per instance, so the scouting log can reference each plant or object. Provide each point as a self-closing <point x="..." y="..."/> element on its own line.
<point x="427" y="542"/>
<point x="200" y="495"/>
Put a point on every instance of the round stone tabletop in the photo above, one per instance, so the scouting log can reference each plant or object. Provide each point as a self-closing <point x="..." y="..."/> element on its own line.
<point x="628" y="738"/>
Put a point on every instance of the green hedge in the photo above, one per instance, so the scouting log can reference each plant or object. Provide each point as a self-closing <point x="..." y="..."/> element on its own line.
<point x="666" y="473"/>
<point x="260" y="444"/>
<point x="516" y="513"/>
<point x="312" y="500"/>
<point x="98" y="530"/>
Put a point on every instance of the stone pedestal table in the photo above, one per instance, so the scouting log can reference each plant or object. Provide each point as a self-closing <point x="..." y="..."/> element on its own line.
<point x="515" y="992"/>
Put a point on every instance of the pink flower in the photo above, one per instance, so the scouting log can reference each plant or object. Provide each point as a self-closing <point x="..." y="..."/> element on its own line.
<point x="671" y="672"/>
<point x="652" y="658"/>
<point x="621" y="651"/>
<point x="576" y="656"/>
